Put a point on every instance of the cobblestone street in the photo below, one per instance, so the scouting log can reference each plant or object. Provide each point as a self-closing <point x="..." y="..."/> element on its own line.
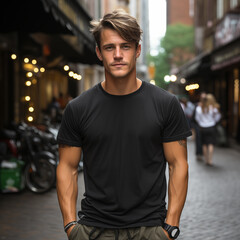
<point x="211" y="211"/>
<point x="212" y="207"/>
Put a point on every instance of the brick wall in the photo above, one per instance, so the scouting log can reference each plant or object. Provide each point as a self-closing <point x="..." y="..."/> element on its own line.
<point x="178" y="12"/>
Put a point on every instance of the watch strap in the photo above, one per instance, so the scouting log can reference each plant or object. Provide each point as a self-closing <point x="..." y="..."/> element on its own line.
<point x="170" y="229"/>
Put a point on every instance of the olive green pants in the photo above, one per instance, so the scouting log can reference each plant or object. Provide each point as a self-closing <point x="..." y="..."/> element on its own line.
<point x="83" y="232"/>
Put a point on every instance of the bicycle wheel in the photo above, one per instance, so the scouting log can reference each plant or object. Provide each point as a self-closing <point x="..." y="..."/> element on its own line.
<point x="41" y="179"/>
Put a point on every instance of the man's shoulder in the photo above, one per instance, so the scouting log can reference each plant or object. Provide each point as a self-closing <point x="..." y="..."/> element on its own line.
<point x="84" y="97"/>
<point x="159" y="92"/>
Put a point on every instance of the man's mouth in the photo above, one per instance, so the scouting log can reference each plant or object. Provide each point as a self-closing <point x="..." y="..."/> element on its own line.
<point x="118" y="64"/>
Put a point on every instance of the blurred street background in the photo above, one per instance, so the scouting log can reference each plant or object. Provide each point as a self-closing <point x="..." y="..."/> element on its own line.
<point x="211" y="210"/>
<point x="47" y="58"/>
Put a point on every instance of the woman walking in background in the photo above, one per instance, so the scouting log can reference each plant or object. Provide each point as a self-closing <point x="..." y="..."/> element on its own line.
<point x="207" y="116"/>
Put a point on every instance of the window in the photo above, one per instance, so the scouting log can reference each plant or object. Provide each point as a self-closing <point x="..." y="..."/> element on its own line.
<point x="233" y="3"/>
<point x="220" y="8"/>
<point x="191" y="8"/>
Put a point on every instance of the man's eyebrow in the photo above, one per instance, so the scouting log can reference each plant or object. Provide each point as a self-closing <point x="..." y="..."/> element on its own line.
<point x="113" y="44"/>
<point x="108" y="44"/>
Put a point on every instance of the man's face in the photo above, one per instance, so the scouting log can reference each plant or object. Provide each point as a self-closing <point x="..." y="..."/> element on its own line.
<point x="118" y="55"/>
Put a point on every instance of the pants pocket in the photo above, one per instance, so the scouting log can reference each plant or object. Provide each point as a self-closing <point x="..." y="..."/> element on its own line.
<point x="162" y="233"/>
<point x="73" y="234"/>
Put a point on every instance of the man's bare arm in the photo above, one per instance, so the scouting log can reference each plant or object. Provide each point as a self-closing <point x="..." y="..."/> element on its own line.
<point x="67" y="177"/>
<point x="176" y="155"/>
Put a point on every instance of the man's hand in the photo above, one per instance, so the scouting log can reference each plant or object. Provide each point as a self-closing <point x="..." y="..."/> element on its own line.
<point x="70" y="229"/>
<point x="166" y="233"/>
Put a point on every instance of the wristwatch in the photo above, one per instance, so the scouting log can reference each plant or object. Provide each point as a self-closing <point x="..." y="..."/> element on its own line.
<point x="173" y="231"/>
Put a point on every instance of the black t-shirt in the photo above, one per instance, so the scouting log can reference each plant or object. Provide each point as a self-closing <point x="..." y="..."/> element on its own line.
<point x="124" y="163"/>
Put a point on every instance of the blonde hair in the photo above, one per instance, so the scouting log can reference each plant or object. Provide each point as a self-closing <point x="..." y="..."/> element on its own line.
<point x="125" y="25"/>
<point x="208" y="101"/>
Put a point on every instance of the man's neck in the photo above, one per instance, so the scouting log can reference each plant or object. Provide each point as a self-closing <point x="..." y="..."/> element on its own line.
<point x="121" y="86"/>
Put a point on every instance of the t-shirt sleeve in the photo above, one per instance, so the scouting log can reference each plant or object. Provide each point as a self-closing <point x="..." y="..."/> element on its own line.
<point x="176" y="125"/>
<point x="69" y="133"/>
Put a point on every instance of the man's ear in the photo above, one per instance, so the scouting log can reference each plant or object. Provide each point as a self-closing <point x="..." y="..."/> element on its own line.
<point x="98" y="52"/>
<point x="138" y="51"/>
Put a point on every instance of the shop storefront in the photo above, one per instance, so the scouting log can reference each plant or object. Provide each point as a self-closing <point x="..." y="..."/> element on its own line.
<point x="41" y="44"/>
<point x="225" y="66"/>
<point x="218" y="72"/>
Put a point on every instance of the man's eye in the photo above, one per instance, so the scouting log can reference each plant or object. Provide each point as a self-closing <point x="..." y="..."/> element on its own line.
<point x="126" y="47"/>
<point x="108" y="48"/>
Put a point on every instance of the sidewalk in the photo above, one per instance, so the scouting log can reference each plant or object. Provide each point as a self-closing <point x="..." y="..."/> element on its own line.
<point x="211" y="211"/>
<point x="212" y="207"/>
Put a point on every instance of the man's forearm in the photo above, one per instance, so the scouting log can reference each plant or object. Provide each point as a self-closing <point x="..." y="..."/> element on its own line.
<point x="67" y="190"/>
<point x="177" y="192"/>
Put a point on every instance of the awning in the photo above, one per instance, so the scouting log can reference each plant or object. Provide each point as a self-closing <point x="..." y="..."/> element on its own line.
<point x="192" y="67"/>
<point x="29" y="16"/>
<point x="226" y="55"/>
<point x="44" y="17"/>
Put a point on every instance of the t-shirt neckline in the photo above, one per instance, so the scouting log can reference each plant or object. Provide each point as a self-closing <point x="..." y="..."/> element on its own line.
<point x="121" y="96"/>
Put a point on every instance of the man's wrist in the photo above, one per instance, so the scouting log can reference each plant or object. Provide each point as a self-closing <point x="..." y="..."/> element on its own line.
<point x="70" y="230"/>
<point x="69" y="225"/>
<point x="172" y="231"/>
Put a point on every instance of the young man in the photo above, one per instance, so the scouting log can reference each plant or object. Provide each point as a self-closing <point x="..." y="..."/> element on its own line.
<point x="127" y="130"/>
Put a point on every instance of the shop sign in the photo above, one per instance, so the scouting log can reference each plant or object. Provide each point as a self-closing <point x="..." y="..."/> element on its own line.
<point x="226" y="56"/>
<point x="227" y="30"/>
<point x="223" y="56"/>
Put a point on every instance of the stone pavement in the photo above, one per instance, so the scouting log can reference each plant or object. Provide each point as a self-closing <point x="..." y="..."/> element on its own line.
<point x="211" y="211"/>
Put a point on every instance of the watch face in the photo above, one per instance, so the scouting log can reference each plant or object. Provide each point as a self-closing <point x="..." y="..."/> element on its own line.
<point x="175" y="232"/>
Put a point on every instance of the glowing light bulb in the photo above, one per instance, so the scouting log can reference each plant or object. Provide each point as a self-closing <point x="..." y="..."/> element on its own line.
<point x="71" y="73"/>
<point x="30" y="118"/>
<point x="66" y="68"/>
<point x="28" y="83"/>
<point x="13" y="56"/>
<point x="31" y="109"/>
<point x="29" y="74"/>
<point x="27" y="98"/>
<point x="26" y="60"/>
<point x="36" y="70"/>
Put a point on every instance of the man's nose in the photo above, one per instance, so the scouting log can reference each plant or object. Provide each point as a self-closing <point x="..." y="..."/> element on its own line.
<point x="118" y="52"/>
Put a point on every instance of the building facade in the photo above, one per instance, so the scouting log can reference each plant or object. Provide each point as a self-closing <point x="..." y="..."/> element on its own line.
<point x="216" y="68"/>
<point x="37" y="40"/>
<point x="180" y="12"/>
<point x="47" y="50"/>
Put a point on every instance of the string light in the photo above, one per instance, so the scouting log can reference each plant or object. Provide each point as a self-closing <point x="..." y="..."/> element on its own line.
<point x="28" y="83"/>
<point x="29" y="74"/>
<point x="27" y="98"/>
<point x="66" y="68"/>
<point x="30" y="118"/>
<point x="13" y="56"/>
<point x="42" y="69"/>
<point x="36" y="70"/>
<point x="79" y="77"/>
<point x="31" y="109"/>
<point x="26" y="60"/>
<point x="71" y="73"/>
